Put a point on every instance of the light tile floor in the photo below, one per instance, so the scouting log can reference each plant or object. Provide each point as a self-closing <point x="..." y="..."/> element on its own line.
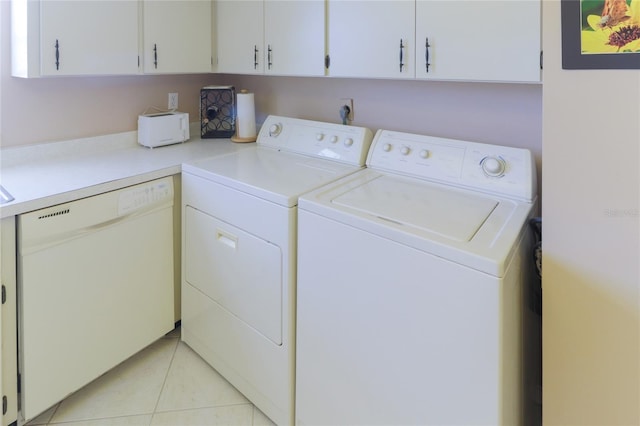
<point x="165" y="384"/>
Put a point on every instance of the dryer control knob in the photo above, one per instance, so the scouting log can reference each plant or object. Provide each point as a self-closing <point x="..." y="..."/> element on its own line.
<point x="348" y="142"/>
<point x="275" y="129"/>
<point x="334" y="139"/>
<point x="405" y="150"/>
<point x="425" y="153"/>
<point x="387" y="147"/>
<point x="493" y="166"/>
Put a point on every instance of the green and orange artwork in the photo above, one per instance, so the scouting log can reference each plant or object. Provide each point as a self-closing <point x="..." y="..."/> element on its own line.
<point x="610" y="26"/>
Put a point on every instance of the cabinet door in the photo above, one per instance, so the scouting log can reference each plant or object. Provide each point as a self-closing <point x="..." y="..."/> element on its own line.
<point x="3" y="422"/>
<point x="89" y="37"/>
<point x="294" y="37"/>
<point x="240" y="36"/>
<point x="371" y="38"/>
<point x="8" y="328"/>
<point x="467" y="40"/>
<point x="177" y="36"/>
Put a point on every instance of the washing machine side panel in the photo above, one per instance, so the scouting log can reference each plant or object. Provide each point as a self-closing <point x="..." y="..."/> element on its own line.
<point x="387" y="334"/>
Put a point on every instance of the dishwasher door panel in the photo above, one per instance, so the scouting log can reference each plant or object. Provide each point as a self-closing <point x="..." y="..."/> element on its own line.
<point x="91" y="302"/>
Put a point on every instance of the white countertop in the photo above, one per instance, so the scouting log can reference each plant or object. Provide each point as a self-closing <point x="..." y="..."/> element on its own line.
<point x="44" y="175"/>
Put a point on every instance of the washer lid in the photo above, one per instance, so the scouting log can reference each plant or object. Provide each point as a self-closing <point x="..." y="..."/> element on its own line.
<point x="442" y="211"/>
<point x="471" y="228"/>
<point x="273" y="175"/>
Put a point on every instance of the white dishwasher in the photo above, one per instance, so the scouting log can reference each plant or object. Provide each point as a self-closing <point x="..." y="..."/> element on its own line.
<point x="95" y="286"/>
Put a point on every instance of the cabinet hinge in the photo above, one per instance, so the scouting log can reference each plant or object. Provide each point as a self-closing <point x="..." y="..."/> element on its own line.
<point x="541" y="59"/>
<point x="4" y="294"/>
<point x="138" y="61"/>
<point x="327" y="61"/>
<point x="4" y="404"/>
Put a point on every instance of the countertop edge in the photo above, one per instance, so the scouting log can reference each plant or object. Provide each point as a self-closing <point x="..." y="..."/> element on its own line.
<point x="20" y="207"/>
<point x="65" y="171"/>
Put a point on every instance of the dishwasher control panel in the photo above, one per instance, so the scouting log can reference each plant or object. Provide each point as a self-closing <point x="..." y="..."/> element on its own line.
<point x="143" y="196"/>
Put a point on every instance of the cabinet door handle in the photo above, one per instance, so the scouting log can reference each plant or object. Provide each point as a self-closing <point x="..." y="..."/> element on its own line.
<point x="269" y="63"/>
<point x="401" y="55"/>
<point x="155" y="55"/>
<point x="255" y="56"/>
<point x="426" y="52"/>
<point x="57" y="55"/>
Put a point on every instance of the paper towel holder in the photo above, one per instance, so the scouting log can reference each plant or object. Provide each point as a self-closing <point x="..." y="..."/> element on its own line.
<point x="236" y="137"/>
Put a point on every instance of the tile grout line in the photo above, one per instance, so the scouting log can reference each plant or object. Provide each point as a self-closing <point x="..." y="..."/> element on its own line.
<point x="97" y="419"/>
<point x="164" y="382"/>
<point x="212" y="407"/>
<point x="52" y="414"/>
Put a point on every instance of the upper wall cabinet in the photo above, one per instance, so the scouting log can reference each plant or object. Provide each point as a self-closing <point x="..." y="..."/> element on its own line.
<point x="177" y="36"/>
<point x="278" y="37"/>
<point x="239" y="28"/>
<point x="294" y="34"/>
<point x="468" y="40"/>
<point x="435" y="39"/>
<point x="371" y="38"/>
<point x="62" y="37"/>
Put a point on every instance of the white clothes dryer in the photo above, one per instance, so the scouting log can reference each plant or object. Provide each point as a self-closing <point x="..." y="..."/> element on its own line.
<point x="411" y="275"/>
<point x="239" y="251"/>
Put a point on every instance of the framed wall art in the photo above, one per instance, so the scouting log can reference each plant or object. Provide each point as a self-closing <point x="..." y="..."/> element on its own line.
<point x="600" y="34"/>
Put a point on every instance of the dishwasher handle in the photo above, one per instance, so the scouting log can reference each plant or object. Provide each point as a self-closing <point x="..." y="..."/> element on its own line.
<point x="72" y="220"/>
<point x="35" y="244"/>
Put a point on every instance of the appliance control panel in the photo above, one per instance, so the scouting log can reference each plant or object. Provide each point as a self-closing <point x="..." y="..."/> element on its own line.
<point x="495" y="169"/>
<point x="143" y="195"/>
<point x="347" y="144"/>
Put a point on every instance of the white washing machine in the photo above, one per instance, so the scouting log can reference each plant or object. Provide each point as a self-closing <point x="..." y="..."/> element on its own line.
<point x="239" y="251"/>
<point x="411" y="275"/>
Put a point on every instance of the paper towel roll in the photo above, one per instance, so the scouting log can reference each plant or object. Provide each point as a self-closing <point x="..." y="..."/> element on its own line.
<point x="245" y="117"/>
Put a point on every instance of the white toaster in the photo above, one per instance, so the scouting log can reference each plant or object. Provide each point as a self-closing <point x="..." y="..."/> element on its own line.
<point x="164" y="128"/>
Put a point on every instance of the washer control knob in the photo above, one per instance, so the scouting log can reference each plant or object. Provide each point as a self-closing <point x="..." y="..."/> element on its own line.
<point x="405" y="150"/>
<point x="334" y="139"/>
<point x="425" y="153"/>
<point x="275" y="129"/>
<point x="348" y="142"/>
<point x="387" y="147"/>
<point x="320" y="136"/>
<point x="493" y="166"/>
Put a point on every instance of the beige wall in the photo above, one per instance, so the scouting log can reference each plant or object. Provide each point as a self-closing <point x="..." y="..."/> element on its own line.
<point x="591" y="241"/>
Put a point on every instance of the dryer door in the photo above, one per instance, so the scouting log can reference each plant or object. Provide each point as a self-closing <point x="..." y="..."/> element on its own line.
<point x="238" y="270"/>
